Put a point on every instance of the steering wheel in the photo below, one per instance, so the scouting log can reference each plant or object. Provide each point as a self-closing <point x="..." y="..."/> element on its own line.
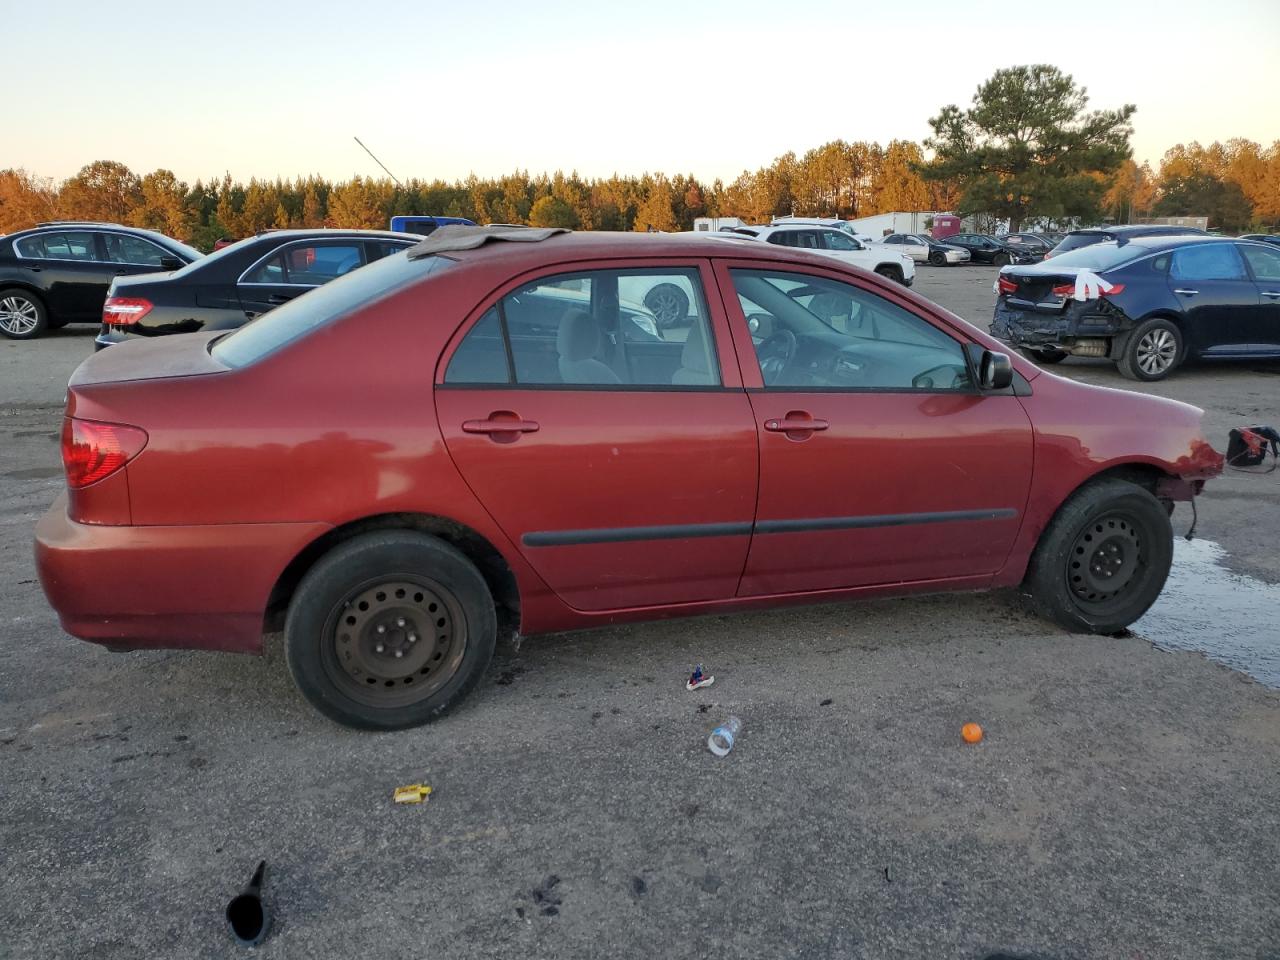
<point x="775" y="354"/>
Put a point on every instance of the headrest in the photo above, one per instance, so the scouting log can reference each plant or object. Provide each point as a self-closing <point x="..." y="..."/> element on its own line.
<point x="694" y="355"/>
<point x="579" y="336"/>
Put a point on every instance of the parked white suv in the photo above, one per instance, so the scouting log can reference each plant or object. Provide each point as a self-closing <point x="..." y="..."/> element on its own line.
<point x="838" y="244"/>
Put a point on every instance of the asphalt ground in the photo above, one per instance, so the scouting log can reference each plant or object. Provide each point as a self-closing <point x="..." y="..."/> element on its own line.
<point x="1125" y="801"/>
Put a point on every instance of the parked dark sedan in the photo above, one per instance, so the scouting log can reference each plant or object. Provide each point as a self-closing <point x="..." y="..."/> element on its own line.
<point x="1271" y="238"/>
<point x="1148" y="303"/>
<point x="987" y="249"/>
<point x="1036" y="244"/>
<point x="230" y="287"/>
<point x="1084" y="238"/>
<point x="58" y="273"/>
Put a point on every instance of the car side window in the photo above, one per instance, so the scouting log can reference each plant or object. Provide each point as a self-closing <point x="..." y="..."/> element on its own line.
<point x="894" y="238"/>
<point x="1265" y="263"/>
<point x="642" y="328"/>
<point x="68" y="245"/>
<point x="308" y="265"/>
<point x="384" y="248"/>
<point x="125" y="249"/>
<point x="1213" y="261"/>
<point x="813" y="333"/>
<point x="835" y="240"/>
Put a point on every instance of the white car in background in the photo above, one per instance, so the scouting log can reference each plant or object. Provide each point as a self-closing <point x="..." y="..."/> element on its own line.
<point x="921" y="249"/>
<point x="841" y="246"/>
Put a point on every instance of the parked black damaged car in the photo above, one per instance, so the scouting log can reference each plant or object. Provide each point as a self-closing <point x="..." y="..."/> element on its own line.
<point x="234" y="285"/>
<point x="1170" y="298"/>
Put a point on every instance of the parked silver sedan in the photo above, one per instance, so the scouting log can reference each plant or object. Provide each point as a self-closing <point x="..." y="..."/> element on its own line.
<point x="924" y="249"/>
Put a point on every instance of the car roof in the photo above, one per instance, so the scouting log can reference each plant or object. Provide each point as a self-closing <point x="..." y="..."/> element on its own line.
<point x="306" y="234"/>
<point x="1141" y="229"/>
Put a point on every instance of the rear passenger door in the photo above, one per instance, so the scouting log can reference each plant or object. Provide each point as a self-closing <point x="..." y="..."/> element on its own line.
<point x="1217" y="296"/>
<point x="1262" y="328"/>
<point x="293" y="269"/>
<point x="68" y="267"/>
<point x="619" y="460"/>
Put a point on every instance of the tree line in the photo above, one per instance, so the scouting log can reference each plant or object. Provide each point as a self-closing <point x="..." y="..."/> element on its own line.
<point x="1027" y="149"/>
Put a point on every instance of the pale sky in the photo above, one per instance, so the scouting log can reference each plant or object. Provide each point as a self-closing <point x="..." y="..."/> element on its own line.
<point x="709" y="88"/>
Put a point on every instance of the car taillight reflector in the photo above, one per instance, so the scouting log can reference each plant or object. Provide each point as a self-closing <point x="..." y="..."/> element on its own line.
<point x="1069" y="290"/>
<point x="1006" y="285"/>
<point x="122" y="311"/>
<point x="93" y="451"/>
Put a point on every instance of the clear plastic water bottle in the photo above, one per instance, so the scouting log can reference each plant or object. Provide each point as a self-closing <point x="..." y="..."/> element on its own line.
<point x="721" y="740"/>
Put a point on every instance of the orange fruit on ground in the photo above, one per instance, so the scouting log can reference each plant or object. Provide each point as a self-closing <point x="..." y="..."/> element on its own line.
<point x="971" y="732"/>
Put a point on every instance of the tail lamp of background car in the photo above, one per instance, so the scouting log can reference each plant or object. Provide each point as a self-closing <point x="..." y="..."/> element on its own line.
<point x="123" y="311"/>
<point x="1005" y="285"/>
<point x="93" y="450"/>
<point x="1067" y="290"/>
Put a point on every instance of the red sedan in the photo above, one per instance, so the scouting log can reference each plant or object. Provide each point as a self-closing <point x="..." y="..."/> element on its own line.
<point x="458" y="442"/>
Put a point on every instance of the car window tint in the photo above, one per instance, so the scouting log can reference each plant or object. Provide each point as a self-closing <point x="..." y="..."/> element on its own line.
<point x="70" y="245"/>
<point x="1211" y="261"/>
<point x="893" y="238"/>
<point x="482" y="355"/>
<point x="813" y="333"/>
<point x="125" y="249"/>
<point x="1265" y="262"/>
<point x="644" y="327"/>
<point x="384" y="248"/>
<point x="309" y="265"/>
<point x="835" y="240"/>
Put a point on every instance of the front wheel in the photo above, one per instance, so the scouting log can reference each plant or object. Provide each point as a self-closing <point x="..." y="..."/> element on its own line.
<point x="1103" y="559"/>
<point x="1152" y="351"/>
<point x="890" y="273"/>
<point x="390" y="630"/>
<point x="938" y="258"/>
<point x="22" y="315"/>
<point x="1001" y="260"/>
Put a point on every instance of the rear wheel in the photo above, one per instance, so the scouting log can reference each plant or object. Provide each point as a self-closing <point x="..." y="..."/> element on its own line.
<point x="1152" y="351"/>
<point x="1103" y="559"/>
<point x="1045" y="357"/>
<point x="22" y="315"/>
<point x="389" y="630"/>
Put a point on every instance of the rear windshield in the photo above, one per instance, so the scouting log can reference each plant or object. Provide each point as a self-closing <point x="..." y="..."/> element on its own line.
<point x="1098" y="256"/>
<point x="1074" y="241"/>
<point x="321" y="306"/>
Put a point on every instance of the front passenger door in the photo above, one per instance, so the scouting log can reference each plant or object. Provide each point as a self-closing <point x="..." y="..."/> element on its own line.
<point x="880" y="462"/>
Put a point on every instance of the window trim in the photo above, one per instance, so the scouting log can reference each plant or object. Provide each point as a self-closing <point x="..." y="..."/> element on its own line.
<point x="718" y="321"/>
<point x="18" y="254"/>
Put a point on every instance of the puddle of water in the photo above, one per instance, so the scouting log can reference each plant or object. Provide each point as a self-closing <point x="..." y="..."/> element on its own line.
<point x="1230" y="618"/>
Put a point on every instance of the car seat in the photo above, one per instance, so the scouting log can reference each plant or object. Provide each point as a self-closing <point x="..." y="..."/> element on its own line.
<point x="578" y="344"/>
<point x="695" y="365"/>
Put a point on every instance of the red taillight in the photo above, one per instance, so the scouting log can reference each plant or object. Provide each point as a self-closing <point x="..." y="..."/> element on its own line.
<point x="122" y="311"/>
<point x="92" y="450"/>
<point x="1006" y="285"/>
<point x="1069" y="290"/>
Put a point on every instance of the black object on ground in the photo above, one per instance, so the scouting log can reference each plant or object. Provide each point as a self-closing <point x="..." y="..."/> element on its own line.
<point x="247" y="917"/>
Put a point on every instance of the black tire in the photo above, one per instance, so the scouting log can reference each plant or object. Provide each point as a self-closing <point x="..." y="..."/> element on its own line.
<point x="22" y="314"/>
<point x="890" y="272"/>
<point x="938" y="258"/>
<point x="1001" y="260"/>
<point x="1103" y="559"/>
<point x="668" y="304"/>
<point x="1045" y="357"/>
<point x="1152" y="352"/>
<point x="373" y="596"/>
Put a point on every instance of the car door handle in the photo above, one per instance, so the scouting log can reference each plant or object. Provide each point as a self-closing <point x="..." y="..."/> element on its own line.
<point x="796" y="421"/>
<point x="279" y="298"/>
<point x="1185" y="292"/>
<point x="1273" y="294"/>
<point x="502" y="426"/>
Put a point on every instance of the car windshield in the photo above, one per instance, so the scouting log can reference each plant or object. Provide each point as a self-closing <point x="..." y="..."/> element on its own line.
<point x="322" y="306"/>
<point x="190" y="253"/>
<point x="1099" y="256"/>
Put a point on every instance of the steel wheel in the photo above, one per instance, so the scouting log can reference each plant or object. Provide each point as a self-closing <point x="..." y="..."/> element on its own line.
<point x="19" y="315"/>
<point x="391" y="643"/>
<point x="1106" y="558"/>
<point x="1156" y="352"/>
<point x="668" y="304"/>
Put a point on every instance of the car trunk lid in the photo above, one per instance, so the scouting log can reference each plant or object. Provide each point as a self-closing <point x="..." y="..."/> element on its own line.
<point x="185" y="355"/>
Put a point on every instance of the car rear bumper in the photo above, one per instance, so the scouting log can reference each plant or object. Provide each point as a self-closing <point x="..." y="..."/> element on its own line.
<point x="1060" y="328"/>
<point x="198" y="587"/>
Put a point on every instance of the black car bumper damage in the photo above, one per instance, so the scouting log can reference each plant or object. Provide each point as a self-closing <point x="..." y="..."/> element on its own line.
<point x="1083" y="328"/>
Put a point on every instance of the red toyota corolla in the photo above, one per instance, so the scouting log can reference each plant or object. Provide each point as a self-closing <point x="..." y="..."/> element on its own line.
<point x="484" y="435"/>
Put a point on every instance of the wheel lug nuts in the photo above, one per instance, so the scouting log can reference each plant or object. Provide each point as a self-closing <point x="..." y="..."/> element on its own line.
<point x="400" y="621"/>
<point x="399" y="654"/>
<point x="382" y="628"/>
<point x="413" y="638"/>
<point x="380" y="649"/>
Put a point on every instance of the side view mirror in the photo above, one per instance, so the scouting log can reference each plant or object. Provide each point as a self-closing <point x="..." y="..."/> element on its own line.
<point x="171" y="263"/>
<point x="995" y="371"/>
